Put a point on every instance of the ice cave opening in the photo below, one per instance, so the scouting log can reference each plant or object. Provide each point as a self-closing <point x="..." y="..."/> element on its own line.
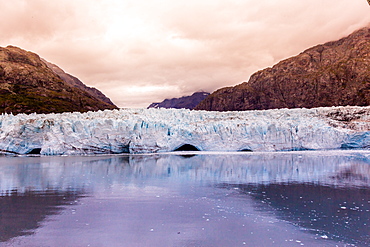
<point x="35" y="151"/>
<point x="187" y="147"/>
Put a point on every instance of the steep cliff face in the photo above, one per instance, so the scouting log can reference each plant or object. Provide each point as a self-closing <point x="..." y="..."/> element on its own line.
<point x="28" y="85"/>
<point x="332" y="74"/>
<point x="186" y="102"/>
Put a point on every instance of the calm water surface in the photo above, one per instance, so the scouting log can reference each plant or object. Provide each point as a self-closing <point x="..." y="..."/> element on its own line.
<point x="249" y="199"/>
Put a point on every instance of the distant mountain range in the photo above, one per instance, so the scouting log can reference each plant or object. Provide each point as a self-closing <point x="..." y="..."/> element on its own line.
<point x="336" y="73"/>
<point x="30" y="84"/>
<point x="186" y="102"/>
<point x="332" y="74"/>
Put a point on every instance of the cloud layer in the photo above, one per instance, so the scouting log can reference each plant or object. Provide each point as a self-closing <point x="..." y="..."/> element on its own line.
<point x="138" y="51"/>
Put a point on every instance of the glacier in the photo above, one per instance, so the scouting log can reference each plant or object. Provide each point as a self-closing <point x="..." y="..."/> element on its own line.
<point x="165" y="130"/>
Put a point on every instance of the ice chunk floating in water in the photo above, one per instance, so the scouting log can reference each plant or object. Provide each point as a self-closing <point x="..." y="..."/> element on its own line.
<point x="164" y="130"/>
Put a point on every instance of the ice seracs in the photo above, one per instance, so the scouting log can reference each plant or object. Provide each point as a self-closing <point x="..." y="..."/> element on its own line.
<point x="163" y="130"/>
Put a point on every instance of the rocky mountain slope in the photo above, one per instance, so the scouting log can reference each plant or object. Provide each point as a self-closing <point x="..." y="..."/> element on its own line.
<point x="74" y="81"/>
<point x="186" y="102"/>
<point x="28" y="85"/>
<point x="332" y="74"/>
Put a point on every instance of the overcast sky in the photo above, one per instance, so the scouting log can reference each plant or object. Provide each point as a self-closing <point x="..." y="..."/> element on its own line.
<point x="142" y="51"/>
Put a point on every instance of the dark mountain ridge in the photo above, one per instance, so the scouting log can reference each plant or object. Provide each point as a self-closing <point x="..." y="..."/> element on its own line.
<point x="336" y="73"/>
<point x="186" y="102"/>
<point x="28" y="85"/>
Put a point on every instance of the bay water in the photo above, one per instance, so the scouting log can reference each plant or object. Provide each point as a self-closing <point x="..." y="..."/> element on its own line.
<point x="306" y="198"/>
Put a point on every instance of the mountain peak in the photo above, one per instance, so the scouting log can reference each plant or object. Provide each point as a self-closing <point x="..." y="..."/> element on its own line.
<point x="186" y="102"/>
<point x="336" y="73"/>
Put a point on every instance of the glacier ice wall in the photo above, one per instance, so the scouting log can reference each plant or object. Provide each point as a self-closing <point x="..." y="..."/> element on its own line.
<point x="163" y="130"/>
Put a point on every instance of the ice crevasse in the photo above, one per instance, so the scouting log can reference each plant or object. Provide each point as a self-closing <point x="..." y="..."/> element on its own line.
<point x="164" y="130"/>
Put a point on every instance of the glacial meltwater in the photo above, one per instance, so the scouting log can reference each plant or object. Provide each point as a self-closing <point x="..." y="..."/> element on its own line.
<point x="306" y="198"/>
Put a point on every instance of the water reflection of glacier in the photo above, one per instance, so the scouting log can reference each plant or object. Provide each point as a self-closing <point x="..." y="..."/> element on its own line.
<point x="91" y="173"/>
<point x="321" y="193"/>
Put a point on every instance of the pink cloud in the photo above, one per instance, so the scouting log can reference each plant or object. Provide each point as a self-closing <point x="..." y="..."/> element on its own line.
<point x="172" y="48"/>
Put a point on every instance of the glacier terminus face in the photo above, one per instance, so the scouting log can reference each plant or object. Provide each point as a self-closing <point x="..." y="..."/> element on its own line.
<point x="166" y="130"/>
